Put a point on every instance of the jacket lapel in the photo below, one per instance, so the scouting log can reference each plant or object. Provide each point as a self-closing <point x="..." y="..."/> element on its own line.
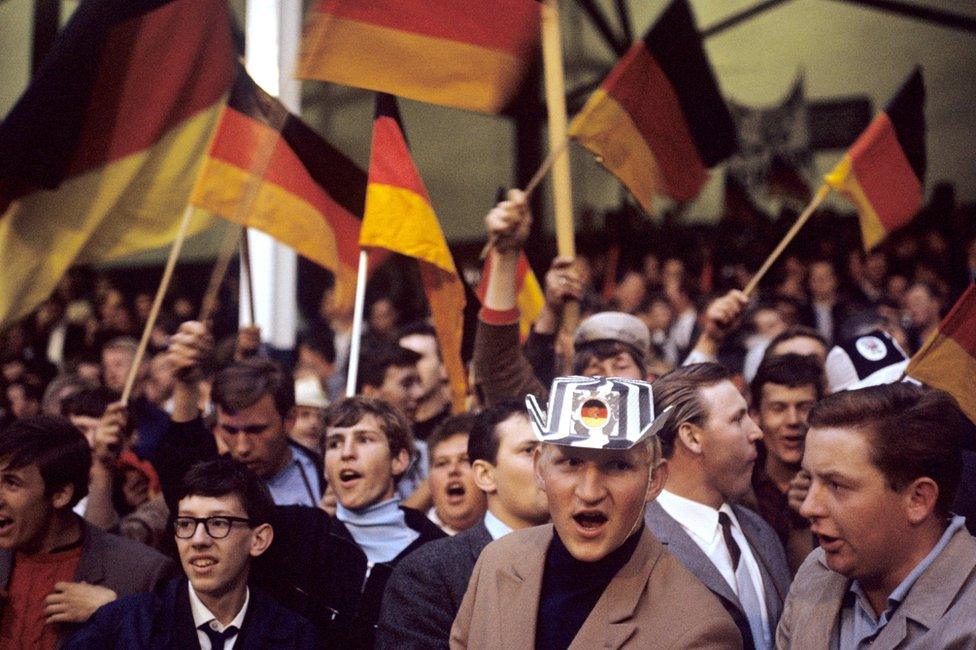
<point x="670" y="533"/>
<point x="519" y="587"/>
<point x="815" y="629"/>
<point x="478" y="540"/>
<point x="773" y="596"/>
<point x="612" y="621"/>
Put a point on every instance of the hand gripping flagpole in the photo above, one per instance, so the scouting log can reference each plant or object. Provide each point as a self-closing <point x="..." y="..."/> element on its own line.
<point x="801" y="220"/>
<point x="357" y="325"/>
<point x="174" y="254"/>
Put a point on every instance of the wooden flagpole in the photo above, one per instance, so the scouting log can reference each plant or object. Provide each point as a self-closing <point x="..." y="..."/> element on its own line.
<point x="246" y="268"/>
<point x="802" y="219"/>
<point x="357" y="325"/>
<point x="555" y="86"/>
<point x="174" y="254"/>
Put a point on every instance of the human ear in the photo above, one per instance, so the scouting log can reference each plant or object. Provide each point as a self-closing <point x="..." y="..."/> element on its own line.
<point x="261" y="538"/>
<point x="400" y="462"/>
<point x="921" y="496"/>
<point x="484" y="476"/>
<point x="690" y="436"/>
<point x="537" y="461"/>
<point x="659" y="477"/>
<point x="62" y="497"/>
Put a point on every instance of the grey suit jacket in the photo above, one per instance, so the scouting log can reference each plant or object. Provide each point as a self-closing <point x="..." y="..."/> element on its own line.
<point x="124" y="566"/>
<point x="425" y="591"/>
<point x="766" y="548"/>
<point x="938" y="612"/>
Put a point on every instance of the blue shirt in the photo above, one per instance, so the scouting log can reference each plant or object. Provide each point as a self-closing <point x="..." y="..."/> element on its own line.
<point x="297" y="483"/>
<point x="858" y="626"/>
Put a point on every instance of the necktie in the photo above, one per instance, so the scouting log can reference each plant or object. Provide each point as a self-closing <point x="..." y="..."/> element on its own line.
<point x="746" y="590"/>
<point x="217" y="639"/>
<point x="734" y="551"/>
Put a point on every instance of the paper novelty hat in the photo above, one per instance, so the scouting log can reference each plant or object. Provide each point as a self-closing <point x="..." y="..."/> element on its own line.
<point x="869" y="360"/>
<point x="596" y="413"/>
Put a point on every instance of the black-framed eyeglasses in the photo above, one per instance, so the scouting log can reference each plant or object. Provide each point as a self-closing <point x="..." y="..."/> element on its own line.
<point x="217" y="527"/>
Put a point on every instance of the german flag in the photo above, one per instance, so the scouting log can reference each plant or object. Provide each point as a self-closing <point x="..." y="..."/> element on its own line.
<point x="400" y="218"/>
<point x="529" y="297"/>
<point x="883" y="172"/>
<point x="98" y="157"/>
<point x="267" y="169"/>
<point x="948" y="359"/>
<point x="658" y="121"/>
<point x="470" y="55"/>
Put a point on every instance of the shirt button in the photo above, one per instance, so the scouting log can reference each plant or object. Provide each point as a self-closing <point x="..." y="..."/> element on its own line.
<point x="214" y="625"/>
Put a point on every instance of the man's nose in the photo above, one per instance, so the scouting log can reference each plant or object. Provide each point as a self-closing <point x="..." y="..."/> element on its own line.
<point x="812" y="507"/>
<point x="241" y="445"/>
<point x="755" y="433"/>
<point x="200" y="535"/>
<point x="590" y="488"/>
<point x="348" y="448"/>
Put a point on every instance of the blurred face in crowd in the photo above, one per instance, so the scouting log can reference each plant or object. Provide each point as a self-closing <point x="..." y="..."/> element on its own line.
<point x="115" y="367"/>
<point x="310" y="359"/>
<point x="823" y="281"/>
<point x="922" y="306"/>
<point x="768" y="323"/>
<point x="726" y="444"/>
<point x="853" y="510"/>
<point x="596" y="497"/>
<point x="782" y="416"/>
<point x="26" y="513"/>
<point x="308" y="426"/>
<point x="382" y="317"/>
<point x="430" y="368"/>
<point x="22" y="405"/>
<point x="457" y="500"/>
<point x="219" y="567"/>
<point x="359" y="464"/>
<point x="87" y="425"/>
<point x="159" y="382"/>
<point x="513" y="494"/>
<point x="400" y="388"/>
<point x="875" y="268"/>
<point x="630" y="292"/>
<point x="255" y="436"/>
<point x="803" y="345"/>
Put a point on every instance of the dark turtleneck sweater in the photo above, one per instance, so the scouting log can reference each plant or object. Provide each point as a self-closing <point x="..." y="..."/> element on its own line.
<point x="571" y="589"/>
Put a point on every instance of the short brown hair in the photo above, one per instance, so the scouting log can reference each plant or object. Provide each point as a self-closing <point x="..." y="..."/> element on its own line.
<point x="243" y="384"/>
<point x="681" y="388"/>
<point x="912" y="431"/>
<point x="394" y="425"/>
<point x="458" y="424"/>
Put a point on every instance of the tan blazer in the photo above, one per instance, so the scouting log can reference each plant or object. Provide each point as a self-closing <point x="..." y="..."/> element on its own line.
<point x="938" y="612"/>
<point x="652" y="602"/>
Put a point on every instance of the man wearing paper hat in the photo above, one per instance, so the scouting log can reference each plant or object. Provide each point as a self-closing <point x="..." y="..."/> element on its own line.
<point x="595" y="575"/>
<point x="872" y="359"/>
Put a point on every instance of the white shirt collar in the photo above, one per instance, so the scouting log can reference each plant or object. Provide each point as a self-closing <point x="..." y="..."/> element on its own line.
<point x="202" y="615"/>
<point x="699" y="519"/>
<point x="496" y="527"/>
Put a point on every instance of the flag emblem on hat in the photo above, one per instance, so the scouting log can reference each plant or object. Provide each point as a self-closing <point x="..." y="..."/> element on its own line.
<point x="596" y="413"/>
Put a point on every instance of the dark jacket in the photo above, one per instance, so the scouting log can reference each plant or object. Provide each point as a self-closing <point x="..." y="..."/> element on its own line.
<point x="307" y="568"/>
<point x="122" y="565"/>
<point x="164" y="620"/>
<point x="425" y="591"/>
<point x="501" y="369"/>
<point x="365" y="623"/>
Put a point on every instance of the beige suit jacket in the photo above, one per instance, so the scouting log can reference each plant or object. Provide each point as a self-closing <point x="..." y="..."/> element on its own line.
<point x="652" y="602"/>
<point x="938" y="612"/>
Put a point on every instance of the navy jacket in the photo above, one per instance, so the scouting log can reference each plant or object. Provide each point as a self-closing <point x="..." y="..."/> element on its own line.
<point x="164" y="620"/>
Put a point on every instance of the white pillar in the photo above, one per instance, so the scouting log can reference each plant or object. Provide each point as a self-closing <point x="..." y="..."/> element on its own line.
<point x="272" y="37"/>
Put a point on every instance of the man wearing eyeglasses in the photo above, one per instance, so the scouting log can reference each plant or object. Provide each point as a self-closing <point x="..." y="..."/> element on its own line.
<point x="221" y="524"/>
